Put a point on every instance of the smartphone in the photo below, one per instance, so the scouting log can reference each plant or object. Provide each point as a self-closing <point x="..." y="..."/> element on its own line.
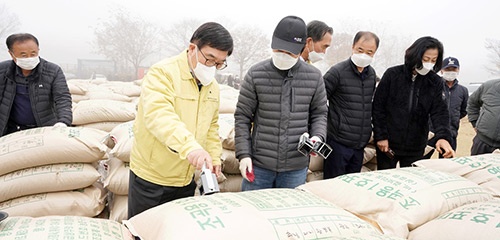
<point x="390" y="154"/>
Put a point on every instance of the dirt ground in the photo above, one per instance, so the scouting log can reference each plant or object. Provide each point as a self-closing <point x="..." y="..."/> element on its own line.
<point x="464" y="140"/>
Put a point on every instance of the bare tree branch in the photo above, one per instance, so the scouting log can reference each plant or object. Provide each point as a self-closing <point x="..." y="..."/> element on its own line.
<point x="126" y="39"/>
<point x="250" y="46"/>
<point x="493" y="47"/>
<point x="9" y="22"/>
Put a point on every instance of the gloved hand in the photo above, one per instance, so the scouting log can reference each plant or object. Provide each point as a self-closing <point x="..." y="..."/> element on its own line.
<point x="60" y="124"/>
<point x="314" y="139"/>
<point x="246" y="169"/>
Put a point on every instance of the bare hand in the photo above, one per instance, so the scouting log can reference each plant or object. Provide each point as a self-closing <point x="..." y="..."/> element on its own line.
<point x="383" y="145"/>
<point x="444" y="148"/>
<point x="199" y="157"/>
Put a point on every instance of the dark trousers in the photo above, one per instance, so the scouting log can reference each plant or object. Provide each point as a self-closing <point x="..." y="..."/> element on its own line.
<point x="480" y="147"/>
<point x="342" y="160"/>
<point x="385" y="162"/>
<point x="143" y="195"/>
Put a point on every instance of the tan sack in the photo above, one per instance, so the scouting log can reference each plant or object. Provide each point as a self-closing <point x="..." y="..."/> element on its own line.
<point x="123" y="136"/>
<point x="91" y="111"/>
<point x="88" y="202"/>
<point x="269" y="213"/>
<point x="47" y="178"/>
<point x="400" y="200"/>
<point x="229" y="162"/>
<point x="226" y="130"/>
<point x="482" y="169"/>
<point x="478" y="221"/>
<point x="104" y="126"/>
<point x="117" y="179"/>
<point x="62" y="227"/>
<point x="118" y="208"/>
<point x="48" y="145"/>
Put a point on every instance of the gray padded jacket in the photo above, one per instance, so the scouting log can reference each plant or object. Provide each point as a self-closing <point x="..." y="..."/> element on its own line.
<point x="274" y="109"/>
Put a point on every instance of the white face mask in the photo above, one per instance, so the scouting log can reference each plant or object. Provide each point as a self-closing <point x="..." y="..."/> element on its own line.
<point x="426" y="67"/>
<point x="361" y="60"/>
<point x="283" y="61"/>
<point x="203" y="73"/>
<point x="315" y="56"/>
<point x="450" y="76"/>
<point x="28" y="63"/>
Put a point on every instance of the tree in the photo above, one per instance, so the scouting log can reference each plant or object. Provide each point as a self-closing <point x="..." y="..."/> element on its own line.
<point x="9" y="22"/>
<point x="127" y="40"/>
<point x="176" y="38"/>
<point x="250" y="46"/>
<point x="493" y="47"/>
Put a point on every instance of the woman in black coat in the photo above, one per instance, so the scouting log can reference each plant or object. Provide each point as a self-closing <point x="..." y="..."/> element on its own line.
<point x="406" y="98"/>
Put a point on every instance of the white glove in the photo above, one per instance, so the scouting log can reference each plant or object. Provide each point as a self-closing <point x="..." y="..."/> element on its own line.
<point x="60" y="124"/>
<point x="246" y="165"/>
<point x="314" y="139"/>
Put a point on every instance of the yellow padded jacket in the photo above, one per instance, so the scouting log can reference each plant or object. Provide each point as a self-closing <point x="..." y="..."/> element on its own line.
<point x="174" y="117"/>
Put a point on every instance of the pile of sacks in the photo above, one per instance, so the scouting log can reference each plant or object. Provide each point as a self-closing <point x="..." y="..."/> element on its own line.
<point x="52" y="171"/>
<point x="103" y="104"/>
<point x="117" y="172"/>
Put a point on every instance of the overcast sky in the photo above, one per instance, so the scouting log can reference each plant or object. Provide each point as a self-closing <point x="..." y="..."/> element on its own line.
<point x="65" y="28"/>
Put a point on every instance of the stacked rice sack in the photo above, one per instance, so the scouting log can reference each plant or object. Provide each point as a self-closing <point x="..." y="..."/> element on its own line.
<point x="230" y="165"/>
<point x="399" y="200"/>
<point x="52" y="171"/>
<point x="62" y="227"/>
<point x="118" y="170"/>
<point x="471" y="221"/>
<point x="260" y="214"/>
<point x="103" y="104"/>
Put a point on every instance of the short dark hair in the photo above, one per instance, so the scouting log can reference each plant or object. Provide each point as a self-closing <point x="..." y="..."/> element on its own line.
<point x="368" y="35"/>
<point x="317" y="29"/>
<point x="214" y="35"/>
<point x="414" y="54"/>
<point x="19" y="37"/>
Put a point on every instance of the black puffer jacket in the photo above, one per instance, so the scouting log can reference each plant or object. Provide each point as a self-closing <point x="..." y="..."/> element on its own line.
<point x="402" y="107"/>
<point x="281" y="106"/>
<point x="49" y="94"/>
<point x="350" y="103"/>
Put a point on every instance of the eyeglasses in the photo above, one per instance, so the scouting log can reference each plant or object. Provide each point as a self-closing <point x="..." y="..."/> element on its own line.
<point x="211" y="62"/>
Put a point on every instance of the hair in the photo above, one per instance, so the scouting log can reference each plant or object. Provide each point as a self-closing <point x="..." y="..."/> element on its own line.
<point x="317" y="29"/>
<point x="213" y="35"/>
<point x="414" y="54"/>
<point x="19" y="37"/>
<point x="367" y="35"/>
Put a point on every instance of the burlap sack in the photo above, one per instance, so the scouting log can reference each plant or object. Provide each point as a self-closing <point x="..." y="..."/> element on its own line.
<point x="482" y="169"/>
<point x="232" y="183"/>
<point x="78" y="86"/>
<point x="103" y="126"/>
<point x="124" y="88"/>
<point x="117" y="179"/>
<point x="229" y="162"/>
<point x="369" y="153"/>
<point x="91" y="111"/>
<point x="314" y="176"/>
<point x="87" y="202"/>
<point x="269" y="214"/>
<point x="226" y="130"/>
<point x="123" y="136"/>
<point x="478" y="221"/>
<point x="400" y="200"/>
<point x="118" y="208"/>
<point x="48" y="145"/>
<point x="316" y="163"/>
<point x="62" y="227"/>
<point x="98" y="93"/>
<point x="47" y="178"/>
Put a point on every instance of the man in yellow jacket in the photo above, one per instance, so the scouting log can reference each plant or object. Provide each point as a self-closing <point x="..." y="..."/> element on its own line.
<point x="176" y="130"/>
